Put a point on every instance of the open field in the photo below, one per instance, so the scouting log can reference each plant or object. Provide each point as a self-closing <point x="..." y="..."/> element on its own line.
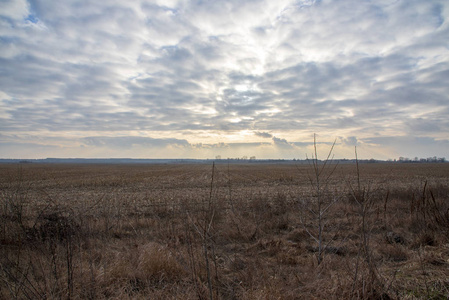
<point x="238" y="231"/>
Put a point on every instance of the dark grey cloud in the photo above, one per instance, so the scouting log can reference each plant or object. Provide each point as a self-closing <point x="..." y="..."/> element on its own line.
<point x="263" y="134"/>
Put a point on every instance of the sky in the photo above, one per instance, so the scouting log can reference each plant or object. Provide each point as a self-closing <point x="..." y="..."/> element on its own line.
<point x="202" y="78"/>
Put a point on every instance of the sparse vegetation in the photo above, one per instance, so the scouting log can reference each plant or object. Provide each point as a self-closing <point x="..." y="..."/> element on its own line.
<point x="234" y="231"/>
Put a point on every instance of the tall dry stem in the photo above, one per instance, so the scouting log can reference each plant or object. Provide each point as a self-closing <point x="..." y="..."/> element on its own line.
<point x="316" y="208"/>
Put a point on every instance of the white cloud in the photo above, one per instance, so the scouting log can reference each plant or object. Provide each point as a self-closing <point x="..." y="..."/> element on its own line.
<point x="15" y="10"/>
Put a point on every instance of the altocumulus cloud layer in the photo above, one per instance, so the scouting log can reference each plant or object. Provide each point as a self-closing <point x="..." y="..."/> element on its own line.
<point x="169" y="78"/>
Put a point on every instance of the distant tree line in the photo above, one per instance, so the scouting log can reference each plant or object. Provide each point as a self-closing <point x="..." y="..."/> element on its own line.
<point x="433" y="159"/>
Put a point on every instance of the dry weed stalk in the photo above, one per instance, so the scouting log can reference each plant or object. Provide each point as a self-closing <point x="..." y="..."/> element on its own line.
<point x="316" y="208"/>
<point x="203" y="229"/>
<point x="364" y="201"/>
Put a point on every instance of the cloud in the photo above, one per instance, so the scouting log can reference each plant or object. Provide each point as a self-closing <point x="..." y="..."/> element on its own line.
<point x="350" y="141"/>
<point x="281" y="142"/>
<point x="223" y="68"/>
<point x="263" y="134"/>
<point x="424" y="126"/>
<point x="131" y="141"/>
<point x="411" y="146"/>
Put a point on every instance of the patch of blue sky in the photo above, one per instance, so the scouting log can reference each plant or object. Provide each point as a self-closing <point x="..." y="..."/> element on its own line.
<point x="32" y="19"/>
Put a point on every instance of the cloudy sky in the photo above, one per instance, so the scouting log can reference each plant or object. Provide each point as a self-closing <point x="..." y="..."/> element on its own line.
<point x="200" y="78"/>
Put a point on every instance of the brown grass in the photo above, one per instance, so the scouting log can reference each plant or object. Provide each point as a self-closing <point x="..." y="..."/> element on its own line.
<point x="173" y="231"/>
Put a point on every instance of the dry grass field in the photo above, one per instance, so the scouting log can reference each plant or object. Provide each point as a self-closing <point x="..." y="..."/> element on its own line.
<point x="238" y="231"/>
